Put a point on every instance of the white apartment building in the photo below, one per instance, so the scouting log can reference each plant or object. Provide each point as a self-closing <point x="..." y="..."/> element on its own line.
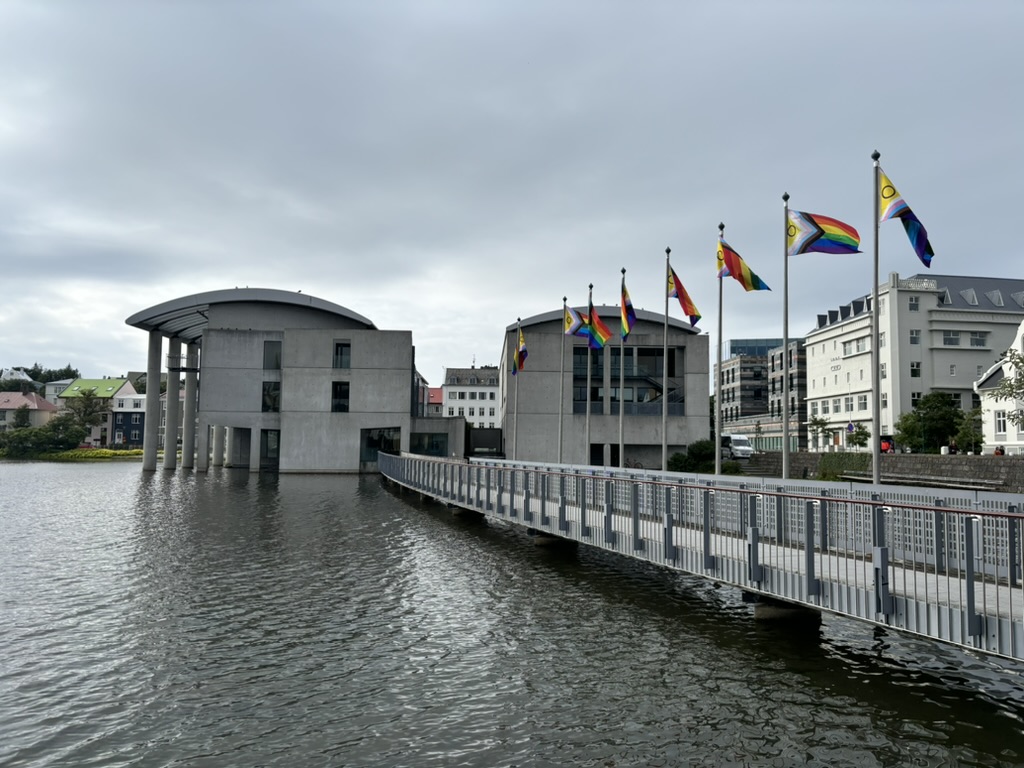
<point x="936" y="333"/>
<point x="472" y="393"/>
<point x="996" y="425"/>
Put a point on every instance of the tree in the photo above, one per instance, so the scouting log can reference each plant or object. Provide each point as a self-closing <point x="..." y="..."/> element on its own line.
<point x="1012" y="387"/>
<point x="46" y="375"/>
<point x="970" y="436"/>
<point x="61" y="433"/>
<point x="699" y="457"/>
<point x="21" y="418"/>
<point x="817" y="427"/>
<point x="87" y="409"/>
<point x="859" y="437"/>
<point x="935" y="421"/>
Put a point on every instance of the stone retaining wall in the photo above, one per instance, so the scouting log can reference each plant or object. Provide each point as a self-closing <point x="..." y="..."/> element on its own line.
<point x="1001" y="473"/>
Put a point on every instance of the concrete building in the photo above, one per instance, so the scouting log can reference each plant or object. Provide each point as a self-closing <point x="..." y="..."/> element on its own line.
<point x="996" y="425"/>
<point x="285" y="381"/>
<point x="473" y="394"/>
<point x="129" y="420"/>
<point x="554" y="383"/>
<point x="937" y="333"/>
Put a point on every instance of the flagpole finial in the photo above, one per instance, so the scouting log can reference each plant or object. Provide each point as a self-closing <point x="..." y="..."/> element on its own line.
<point x="623" y="271"/>
<point x="565" y="299"/>
<point x="785" y="197"/>
<point x="721" y="229"/>
<point x="667" y="252"/>
<point x="591" y="286"/>
<point x="875" y="155"/>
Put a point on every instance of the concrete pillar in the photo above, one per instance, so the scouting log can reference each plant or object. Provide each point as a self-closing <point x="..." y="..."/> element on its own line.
<point x="202" y="446"/>
<point x="188" y="428"/>
<point x="230" y="438"/>
<point x="255" y="438"/>
<point x="151" y="428"/>
<point x="173" y="404"/>
<point x="219" y="435"/>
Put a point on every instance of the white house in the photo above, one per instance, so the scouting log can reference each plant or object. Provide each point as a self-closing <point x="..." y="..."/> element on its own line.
<point x="995" y="424"/>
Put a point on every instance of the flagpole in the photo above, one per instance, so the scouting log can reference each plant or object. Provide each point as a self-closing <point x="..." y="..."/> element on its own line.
<point x="718" y="376"/>
<point x="622" y="378"/>
<point x="515" y="411"/>
<point x="876" y="352"/>
<point x="664" y="371"/>
<point x="586" y="433"/>
<point x="561" y="383"/>
<point x="785" y="336"/>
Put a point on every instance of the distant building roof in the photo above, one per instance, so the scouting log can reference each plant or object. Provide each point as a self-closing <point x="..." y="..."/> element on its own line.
<point x="10" y="401"/>
<point x="436" y="396"/>
<point x="99" y="387"/>
<point x="14" y="373"/>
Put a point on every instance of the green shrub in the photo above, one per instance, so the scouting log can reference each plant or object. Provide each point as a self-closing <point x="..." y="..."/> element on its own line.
<point x="834" y="465"/>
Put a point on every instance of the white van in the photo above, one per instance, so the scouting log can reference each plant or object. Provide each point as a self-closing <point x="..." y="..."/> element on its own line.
<point x="736" y="447"/>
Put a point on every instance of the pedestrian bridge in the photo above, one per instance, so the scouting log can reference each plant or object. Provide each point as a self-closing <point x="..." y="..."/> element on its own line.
<point x="943" y="564"/>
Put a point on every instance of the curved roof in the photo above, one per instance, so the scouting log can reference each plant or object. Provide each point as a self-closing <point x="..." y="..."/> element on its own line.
<point x="186" y="318"/>
<point x="612" y="312"/>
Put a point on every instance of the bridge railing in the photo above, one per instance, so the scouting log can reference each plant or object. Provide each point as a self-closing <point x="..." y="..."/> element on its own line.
<point x="948" y="566"/>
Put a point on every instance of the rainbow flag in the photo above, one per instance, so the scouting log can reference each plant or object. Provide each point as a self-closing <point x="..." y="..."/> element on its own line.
<point x="731" y="263"/>
<point x="519" y="356"/>
<point x="676" y="290"/>
<point x="891" y="205"/>
<point x="597" y="331"/>
<point x="627" y="312"/>
<point x="813" y="232"/>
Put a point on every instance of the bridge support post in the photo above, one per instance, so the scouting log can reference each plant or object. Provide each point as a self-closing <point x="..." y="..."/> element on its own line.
<point x="1012" y="534"/>
<point x="813" y="586"/>
<point x="563" y="523"/>
<point x="500" y="492"/>
<point x="939" y="527"/>
<point x="527" y="512"/>
<point x="609" y="506"/>
<point x="545" y="521"/>
<point x="581" y="495"/>
<point x="709" y="559"/>
<point x="755" y="572"/>
<point x="671" y="551"/>
<point x="823" y="525"/>
<point x="880" y="558"/>
<point x="780" y="516"/>
<point x="634" y="504"/>
<point x="973" y="619"/>
<point x="512" y="493"/>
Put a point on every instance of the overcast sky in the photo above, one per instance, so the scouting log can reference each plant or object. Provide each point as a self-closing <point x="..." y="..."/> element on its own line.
<point x="447" y="167"/>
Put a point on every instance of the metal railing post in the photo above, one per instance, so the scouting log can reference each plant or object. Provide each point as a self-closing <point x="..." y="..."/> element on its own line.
<point x="709" y="559"/>
<point x="609" y="507"/>
<point x="813" y="587"/>
<point x="634" y="503"/>
<point x="755" y="572"/>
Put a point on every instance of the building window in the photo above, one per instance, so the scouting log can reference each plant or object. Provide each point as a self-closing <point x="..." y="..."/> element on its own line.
<point x="136" y="403"/>
<point x="847" y="349"/>
<point x="951" y="338"/>
<point x="862" y="402"/>
<point x="881" y="339"/>
<point x="472" y="395"/>
<point x="952" y="369"/>
<point x="136" y="418"/>
<point x="271" y="355"/>
<point x="915" y="336"/>
<point x="915" y="303"/>
<point x="451" y="411"/>
<point x="119" y="419"/>
<point x="491" y="413"/>
<point x="862" y="344"/>
<point x="814" y="409"/>
<point x="120" y="403"/>
<point x="462" y="395"/>
<point x="981" y="370"/>
<point x="836" y="403"/>
<point x="915" y="370"/>
<point x="848" y="404"/>
<point x="884" y="400"/>
<point x="342" y="354"/>
<point x="271" y="396"/>
<point x="135" y="435"/>
<point x="472" y="411"/>
<point x="881" y="370"/>
<point x="462" y="411"/>
<point x="491" y="395"/>
<point x="1000" y="419"/>
<point x="915" y="398"/>
<point x="979" y="338"/>
<point x="339" y="396"/>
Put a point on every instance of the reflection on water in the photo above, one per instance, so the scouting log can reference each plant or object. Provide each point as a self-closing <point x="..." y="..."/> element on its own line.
<point x="217" y="619"/>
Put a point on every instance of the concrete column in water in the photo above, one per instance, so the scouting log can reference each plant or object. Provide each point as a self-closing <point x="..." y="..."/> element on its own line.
<point x="151" y="429"/>
<point x="219" y="434"/>
<point x="255" y="438"/>
<point x="188" y="427"/>
<point x="202" y="446"/>
<point x="173" y="404"/>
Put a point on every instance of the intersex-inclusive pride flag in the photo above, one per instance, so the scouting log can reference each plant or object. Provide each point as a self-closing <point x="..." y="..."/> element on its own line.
<point x="676" y="290"/>
<point x="891" y="205"/>
<point x="596" y="329"/>
<point x="813" y="232"/>
<point x="519" y="356"/>
<point x="731" y="263"/>
<point x="627" y="311"/>
<point x="575" y="323"/>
